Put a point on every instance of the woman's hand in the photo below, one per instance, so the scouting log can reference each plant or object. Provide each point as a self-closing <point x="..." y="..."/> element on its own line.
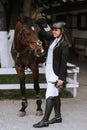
<point x="59" y="83"/>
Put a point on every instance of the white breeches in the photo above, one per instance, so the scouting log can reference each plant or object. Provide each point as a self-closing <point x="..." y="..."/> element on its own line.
<point x="51" y="77"/>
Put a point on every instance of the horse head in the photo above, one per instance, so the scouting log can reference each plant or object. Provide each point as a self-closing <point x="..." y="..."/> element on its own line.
<point x="28" y="37"/>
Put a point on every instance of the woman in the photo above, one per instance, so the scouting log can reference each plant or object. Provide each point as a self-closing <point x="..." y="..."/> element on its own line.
<point x="56" y="70"/>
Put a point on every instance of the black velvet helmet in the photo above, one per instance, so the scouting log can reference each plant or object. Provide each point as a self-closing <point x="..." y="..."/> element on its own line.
<point x="59" y="25"/>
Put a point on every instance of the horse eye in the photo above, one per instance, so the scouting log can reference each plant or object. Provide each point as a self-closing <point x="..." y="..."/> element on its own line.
<point x="28" y="34"/>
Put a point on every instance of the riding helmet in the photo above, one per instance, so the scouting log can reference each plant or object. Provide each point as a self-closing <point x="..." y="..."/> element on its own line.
<point x="59" y="25"/>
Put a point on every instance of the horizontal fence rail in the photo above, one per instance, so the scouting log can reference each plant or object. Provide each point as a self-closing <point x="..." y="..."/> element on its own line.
<point x="71" y="82"/>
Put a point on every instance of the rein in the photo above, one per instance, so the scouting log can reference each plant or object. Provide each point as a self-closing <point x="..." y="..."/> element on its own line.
<point x="24" y="38"/>
<point x="27" y="50"/>
<point x="22" y="52"/>
<point x="18" y="54"/>
<point x="27" y="40"/>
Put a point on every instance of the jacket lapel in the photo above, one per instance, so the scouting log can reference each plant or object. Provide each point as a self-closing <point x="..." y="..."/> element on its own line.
<point x="60" y="41"/>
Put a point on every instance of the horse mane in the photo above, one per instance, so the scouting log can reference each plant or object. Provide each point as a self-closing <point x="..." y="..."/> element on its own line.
<point x="26" y="20"/>
<point x="23" y="20"/>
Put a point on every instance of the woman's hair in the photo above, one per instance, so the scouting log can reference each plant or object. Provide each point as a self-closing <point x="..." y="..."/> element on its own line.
<point x="67" y="36"/>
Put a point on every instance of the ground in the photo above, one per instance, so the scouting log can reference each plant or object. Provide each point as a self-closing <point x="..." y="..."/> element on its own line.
<point x="74" y="114"/>
<point x="74" y="110"/>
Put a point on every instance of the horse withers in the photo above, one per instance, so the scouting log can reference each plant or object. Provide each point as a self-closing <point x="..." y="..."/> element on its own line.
<point x="26" y="51"/>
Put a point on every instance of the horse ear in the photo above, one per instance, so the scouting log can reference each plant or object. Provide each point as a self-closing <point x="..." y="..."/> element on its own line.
<point x="21" y="18"/>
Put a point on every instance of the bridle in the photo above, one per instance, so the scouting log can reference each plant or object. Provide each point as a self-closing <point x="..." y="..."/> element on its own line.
<point x="27" y="41"/>
<point x="27" y="50"/>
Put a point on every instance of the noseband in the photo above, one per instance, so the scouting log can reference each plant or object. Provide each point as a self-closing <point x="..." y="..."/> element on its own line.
<point x="27" y="44"/>
<point x="27" y="41"/>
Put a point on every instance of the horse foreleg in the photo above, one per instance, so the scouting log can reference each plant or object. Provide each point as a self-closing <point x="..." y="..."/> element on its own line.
<point x="23" y="92"/>
<point x="24" y="99"/>
<point x="24" y="102"/>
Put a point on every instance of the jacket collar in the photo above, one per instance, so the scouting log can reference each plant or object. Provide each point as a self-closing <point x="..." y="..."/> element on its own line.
<point x="59" y="42"/>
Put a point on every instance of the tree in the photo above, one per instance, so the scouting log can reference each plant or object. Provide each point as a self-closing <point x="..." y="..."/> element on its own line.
<point x="4" y="49"/>
<point x="9" y="12"/>
<point x="15" y="10"/>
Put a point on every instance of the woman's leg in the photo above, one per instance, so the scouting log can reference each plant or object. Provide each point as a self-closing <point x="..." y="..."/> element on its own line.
<point x="57" y="109"/>
<point x="49" y="106"/>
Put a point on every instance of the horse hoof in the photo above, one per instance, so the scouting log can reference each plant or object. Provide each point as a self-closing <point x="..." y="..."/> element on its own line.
<point x="39" y="113"/>
<point x="22" y="113"/>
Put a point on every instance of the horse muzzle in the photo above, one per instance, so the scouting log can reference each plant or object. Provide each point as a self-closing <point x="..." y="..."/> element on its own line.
<point x="40" y="53"/>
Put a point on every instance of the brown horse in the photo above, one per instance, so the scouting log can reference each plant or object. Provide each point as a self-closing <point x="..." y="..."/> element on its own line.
<point x="26" y="51"/>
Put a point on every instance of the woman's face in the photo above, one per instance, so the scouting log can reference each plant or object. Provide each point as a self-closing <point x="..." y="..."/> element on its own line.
<point x="57" y="32"/>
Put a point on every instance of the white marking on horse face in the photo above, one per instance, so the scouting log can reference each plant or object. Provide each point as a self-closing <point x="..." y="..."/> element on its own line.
<point x="33" y="28"/>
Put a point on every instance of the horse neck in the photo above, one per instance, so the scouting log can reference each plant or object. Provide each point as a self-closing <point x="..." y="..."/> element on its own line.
<point x="17" y="44"/>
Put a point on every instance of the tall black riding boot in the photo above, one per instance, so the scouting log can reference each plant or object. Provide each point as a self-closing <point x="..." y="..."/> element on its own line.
<point x="57" y="109"/>
<point x="44" y="122"/>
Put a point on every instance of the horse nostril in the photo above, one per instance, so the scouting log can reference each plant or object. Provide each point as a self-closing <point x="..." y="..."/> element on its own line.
<point x="27" y="41"/>
<point x="41" y="52"/>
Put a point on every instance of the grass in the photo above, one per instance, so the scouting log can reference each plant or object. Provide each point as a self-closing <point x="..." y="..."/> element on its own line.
<point x="13" y="79"/>
<point x="16" y="94"/>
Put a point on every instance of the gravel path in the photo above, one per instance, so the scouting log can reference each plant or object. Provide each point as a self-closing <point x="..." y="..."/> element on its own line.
<point x="74" y="111"/>
<point x="74" y="114"/>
